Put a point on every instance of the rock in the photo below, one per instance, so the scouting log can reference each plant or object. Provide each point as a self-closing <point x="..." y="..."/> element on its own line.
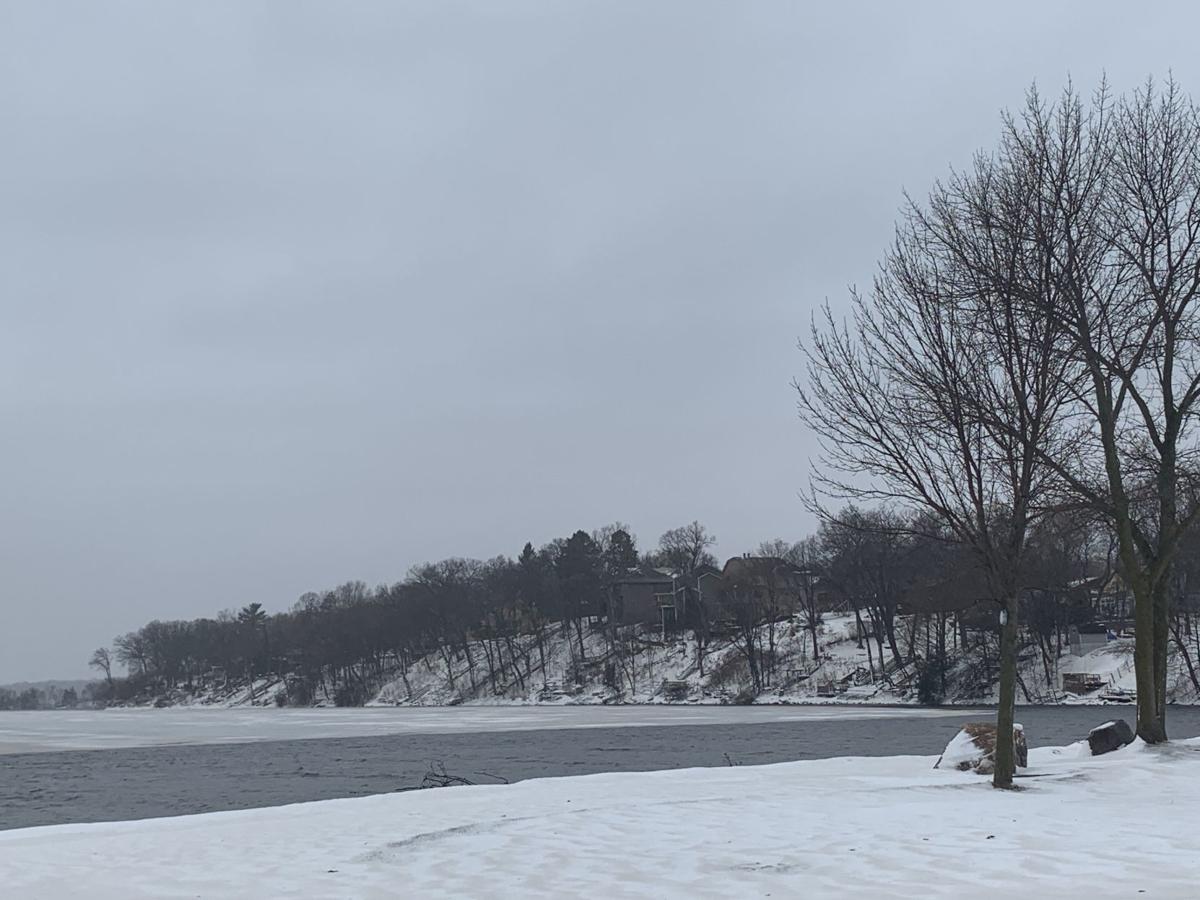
<point x="1109" y="737"/>
<point x="974" y="749"/>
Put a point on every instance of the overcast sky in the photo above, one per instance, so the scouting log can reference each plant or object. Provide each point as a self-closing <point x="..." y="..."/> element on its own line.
<point x="292" y="294"/>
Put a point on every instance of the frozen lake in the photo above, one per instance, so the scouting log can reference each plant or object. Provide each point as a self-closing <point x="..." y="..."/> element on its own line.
<point x="137" y="764"/>
<point x="43" y="731"/>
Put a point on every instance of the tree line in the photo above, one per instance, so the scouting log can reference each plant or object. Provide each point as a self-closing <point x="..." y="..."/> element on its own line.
<point x="912" y="588"/>
<point x="496" y="614"/>
<point x="35" y="697"/>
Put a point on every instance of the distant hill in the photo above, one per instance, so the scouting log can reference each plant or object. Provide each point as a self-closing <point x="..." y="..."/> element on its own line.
<point x="76" y="684"/>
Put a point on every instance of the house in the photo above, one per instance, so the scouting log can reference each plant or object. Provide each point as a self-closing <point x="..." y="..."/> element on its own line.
<point x="706" y="598"/>
<point x="1105" y="595"/>
<point x="772" y="586"/>
<point x="658" y="597"/>
<point x="705" y="588"/>
<point x="645" y="596"/>
<point x="697" y="600"/>
<point x="1086" y="638"/>
<point x="1115" y="601"/>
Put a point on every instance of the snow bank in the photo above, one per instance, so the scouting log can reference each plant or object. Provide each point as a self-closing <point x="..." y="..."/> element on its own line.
<point x="850" y="827"/>
<point x="961" y="749"/>
<point x="974" y="748"/>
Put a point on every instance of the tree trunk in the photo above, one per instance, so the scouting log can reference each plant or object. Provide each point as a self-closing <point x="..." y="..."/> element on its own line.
<point x="1168" y="524"/>
<point x="488" y="655"/>
<point x="1002" y="777"/>
<point x="890" y="627"/>
<point x="1046" y="648"/>
<point x="579" y="634"/>
<point x="1180" y="642"/>
<point x="941" y="650"/>
<point x="445" y="652"/>
<point x="770" y="662"/>
<point x="466" y="648"/>
<point x="404" y="675"/>
<point x="1162" y="646"/>
<point x="1150" y="725"/>
<point x="755" y="671"/>
<point x="542" y="656"/>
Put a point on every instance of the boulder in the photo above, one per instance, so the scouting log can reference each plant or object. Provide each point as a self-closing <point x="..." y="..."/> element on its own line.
<point x="973" y="749"/>
<point x="1109" y="737"/>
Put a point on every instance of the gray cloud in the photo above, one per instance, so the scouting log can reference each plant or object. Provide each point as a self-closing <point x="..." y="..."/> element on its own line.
<point x="297" y="293"/>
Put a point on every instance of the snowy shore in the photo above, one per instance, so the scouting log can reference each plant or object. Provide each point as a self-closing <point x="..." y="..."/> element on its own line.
<point x="1111" y="826"/>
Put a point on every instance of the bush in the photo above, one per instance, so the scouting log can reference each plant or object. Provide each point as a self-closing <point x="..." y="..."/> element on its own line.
<point x="744" y="697"/>
<point x="299" y="692"/>
<point x="731" y="670"/>
<point x="929" y="684"/>
<point x="350" y="695"/>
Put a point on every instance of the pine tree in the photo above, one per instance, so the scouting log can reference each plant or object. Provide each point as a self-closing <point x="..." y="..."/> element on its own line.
<point x="621" y="554"/>
<point x="580" y="574"/>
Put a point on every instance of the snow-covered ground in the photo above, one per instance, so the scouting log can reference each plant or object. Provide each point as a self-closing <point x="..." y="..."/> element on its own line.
<point x="641" y="679"/>
<point x="27" y="732"/>
<point x="844" y="673"/>
<point x="1113" y="826"/>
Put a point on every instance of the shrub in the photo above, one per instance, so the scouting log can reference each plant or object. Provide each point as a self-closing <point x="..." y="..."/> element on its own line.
<point x="744" y="697"/>
<point x="350" y="695"/>
<point x="929" y="684"/>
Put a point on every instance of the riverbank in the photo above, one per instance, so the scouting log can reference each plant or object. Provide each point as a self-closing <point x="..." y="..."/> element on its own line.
<point x="850" y="827"/>
<point x="150" y="763"/>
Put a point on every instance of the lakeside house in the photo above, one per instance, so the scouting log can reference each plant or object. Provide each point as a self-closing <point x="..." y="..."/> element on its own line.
<point x="648" y="595"/>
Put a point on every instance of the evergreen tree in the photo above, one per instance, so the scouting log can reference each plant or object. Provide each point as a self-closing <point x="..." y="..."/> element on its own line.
<point x="621" y="554"/>
<point x="580" y="574"/>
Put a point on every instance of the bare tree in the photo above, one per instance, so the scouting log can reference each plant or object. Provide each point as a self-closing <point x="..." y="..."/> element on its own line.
<point x="943" y="391"/>
<point x="805" y="561"/>
<point x="449" y="593"/>
<point x="805" y="555"/>
<point x="102" y="660"/>
<point x="131" y="651"/>
<point x="1118" y="217"/>
<point x="685" y="549"/>
<point x="614" y="537"/>
<point x="745" y="598"/>
<point x="864" y="561"/>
